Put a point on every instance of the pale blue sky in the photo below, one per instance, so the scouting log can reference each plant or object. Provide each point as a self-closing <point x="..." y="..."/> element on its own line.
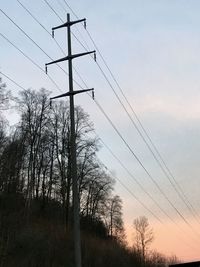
<point x="152" y="48"/>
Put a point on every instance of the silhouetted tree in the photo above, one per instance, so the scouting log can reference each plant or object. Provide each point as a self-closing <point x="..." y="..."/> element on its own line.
<point x="34" y="118"/>
<point x="156" y="259"/>
<point x="35" y="180"/>
<point x="4" y="96"/>
<point x="173" y="259"/>
<point x="143" y="235"/>
<point x="113" y="217"/>
<point x="96" y="189"/>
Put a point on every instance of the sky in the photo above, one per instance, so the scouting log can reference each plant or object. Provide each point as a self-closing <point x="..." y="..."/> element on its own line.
<point x="152" y="48"/>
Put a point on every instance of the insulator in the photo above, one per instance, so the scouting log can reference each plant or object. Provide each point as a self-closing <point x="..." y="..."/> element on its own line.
<point x="53" y="33"/>
<point x="93" y="94"/>
<point x="50" y="104"/>
<point x="46" y="69"/>
<point x="95" y="57"/>
<point x="85" y="24"/>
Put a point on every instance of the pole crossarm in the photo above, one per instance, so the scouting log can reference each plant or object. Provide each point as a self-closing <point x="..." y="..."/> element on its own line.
<point x="72" y="93"/>
<point x="71" y="57"/>
<point x="67" y="24"/>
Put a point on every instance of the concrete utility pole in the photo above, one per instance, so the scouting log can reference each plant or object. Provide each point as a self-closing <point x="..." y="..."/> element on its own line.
<point x="71" y="93"/>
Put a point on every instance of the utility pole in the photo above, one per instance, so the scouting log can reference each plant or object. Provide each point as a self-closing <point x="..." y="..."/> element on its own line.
<point x="71" y="93"/>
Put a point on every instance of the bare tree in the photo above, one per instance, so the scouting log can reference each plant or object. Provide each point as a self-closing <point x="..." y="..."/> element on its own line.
<point x="2" y="134"/>
<point x="60" y="139"/>
<point x="43" y="174"/>
<point x="143" y="235"/>
<point x="5" y="96"/>
<point x="4" y="99"/>
<point x="113" y="217"/>
<point x="173" y="259"/>
<point x="34" y="109"/>
<point x="10" y="165"/>
<point x="96" y="189"/>
<point x="157" y="259"/>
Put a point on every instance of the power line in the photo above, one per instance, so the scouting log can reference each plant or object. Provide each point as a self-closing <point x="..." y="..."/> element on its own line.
<point x="135" y="156"/>
<point x="122" y="184"/>
<point x="137" y="199"/>
<point x="55" y="13"/>
<point x="30" y="13"/>
<point x="149" y="175"/>
<point x="183" y="196"/>
<point x="53" y="10"/>
<point x="24" y="32"/>
<point x="155" y="216"/>
<point x="132" y="152"/>
<point x="31" y="39"/>
<point x="139" y="184"/>
<point x="143" y="189"/>
<point x="167" y="173"/>
<point x="1" y="10"/>
<point x="130" y="192"/>
<point x="77" y="39"/>
<point x="79" y="32"/>
<point x="141" y="135"/>
<point x="112" y="153"/>
<point x="70" y="9"/>
<point x="153" y="180"/>
<point x="13" y="81"/>
<point x="146" y="171"/>
<point x="35" y="43"/>
<point x="61" y="6"/>
<point x="30" y="59"/>
<point x="133" y="177"/>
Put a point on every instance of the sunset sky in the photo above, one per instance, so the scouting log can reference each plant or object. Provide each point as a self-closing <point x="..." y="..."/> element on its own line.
<point x="153" y="49"/>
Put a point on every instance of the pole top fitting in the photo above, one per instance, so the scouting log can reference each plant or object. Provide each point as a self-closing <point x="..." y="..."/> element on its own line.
<point x="46" y="68"/>
<point x="95" y="56"/>
<point x="85" y="25"/>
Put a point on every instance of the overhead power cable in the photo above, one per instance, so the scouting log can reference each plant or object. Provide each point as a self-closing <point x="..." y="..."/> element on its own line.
<point x="79" y="32"/>
<point x="55" y="13"/>
<point x="70" y="9"/>
<point x="152" y="179"/>
<point x="122" y="184"/>
<point x="13" y="81"/>
<point x="147" y="171"/>
<point x="30" y="59"/>
<point x="174" y="183"/>
<point x="36" y="20"/>
<point x="139" y="184"/>
<point x="31" y="39"/>
<point x="158" y="159"/>
<point x="139" y="161"/>
<point x="35" y="43"/>
<point x="150" y="149"/>
<point x="131" y="193"/>
<point x="53" y="10"/>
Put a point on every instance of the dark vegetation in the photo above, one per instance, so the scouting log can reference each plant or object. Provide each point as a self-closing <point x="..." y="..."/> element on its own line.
<point x="36" y="191"/>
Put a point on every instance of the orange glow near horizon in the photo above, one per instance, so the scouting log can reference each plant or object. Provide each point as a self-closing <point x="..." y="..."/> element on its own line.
<point x="169" y="240"/>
